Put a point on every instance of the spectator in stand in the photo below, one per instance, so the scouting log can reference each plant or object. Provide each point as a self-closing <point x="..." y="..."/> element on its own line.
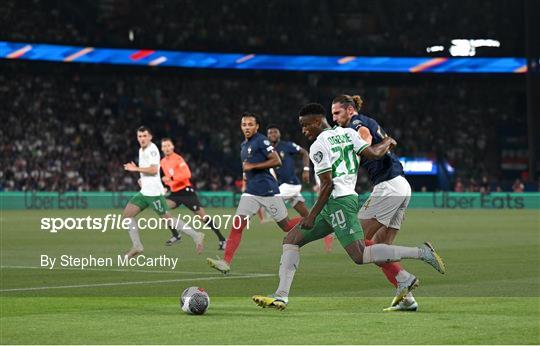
<point x="458" y="186"/>
<point x="485" y="187"/>
<point x="518" y="186"/>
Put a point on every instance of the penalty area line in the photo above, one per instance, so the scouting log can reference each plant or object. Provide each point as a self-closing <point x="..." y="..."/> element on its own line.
<point x="110" y="284"/>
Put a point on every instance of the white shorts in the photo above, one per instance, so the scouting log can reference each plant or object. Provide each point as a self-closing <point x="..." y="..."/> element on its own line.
<point x="250" y="204"/>
<point x="291" y="193"/>
<point x="388" y="202"/>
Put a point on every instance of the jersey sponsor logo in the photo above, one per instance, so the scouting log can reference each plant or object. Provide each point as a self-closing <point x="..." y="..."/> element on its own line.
<point x="318" y="156"/>
<point x="153" y="153"/>
<point x="356" y="122"/>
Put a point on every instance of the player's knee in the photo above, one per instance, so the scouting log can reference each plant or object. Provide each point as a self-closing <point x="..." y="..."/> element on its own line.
<point x="292" y="238"/>
<point x="357" y="260"/>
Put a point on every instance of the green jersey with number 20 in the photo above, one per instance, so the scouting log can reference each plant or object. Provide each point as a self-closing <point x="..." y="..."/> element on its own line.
<point x="336" y="150"/>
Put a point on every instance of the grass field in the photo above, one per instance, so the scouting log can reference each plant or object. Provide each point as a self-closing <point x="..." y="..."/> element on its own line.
<point x="490" y="295"/>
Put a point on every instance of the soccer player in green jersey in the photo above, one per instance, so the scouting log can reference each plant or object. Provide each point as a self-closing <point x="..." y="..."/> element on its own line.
<point x="335" y="155"/>
<point x="151" y="195"/>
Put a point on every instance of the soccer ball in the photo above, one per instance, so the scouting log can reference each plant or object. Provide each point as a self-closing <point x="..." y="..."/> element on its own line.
<point x="194" y="301"/>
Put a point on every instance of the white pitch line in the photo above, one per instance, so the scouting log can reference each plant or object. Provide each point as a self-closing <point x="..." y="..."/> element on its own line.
<point x="132" y="270"/>
<point x="114" y="270"/>
<point x="133" y="283"/>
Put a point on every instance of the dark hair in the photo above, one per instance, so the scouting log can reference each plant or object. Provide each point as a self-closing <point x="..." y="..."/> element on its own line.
<point x="251" y="115"/>
<point x="272" y="126"/>
<point x="312" y="109"/>
<point x="167" y="139"/>
<point x="346" y="100"/>
<point x="143" y="129"/>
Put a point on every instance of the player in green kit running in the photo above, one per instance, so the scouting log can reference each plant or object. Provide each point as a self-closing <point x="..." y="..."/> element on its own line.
<point x="335" y="155"/>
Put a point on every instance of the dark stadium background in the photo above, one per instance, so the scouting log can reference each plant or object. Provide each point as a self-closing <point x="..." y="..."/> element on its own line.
<point x="69" y="127"/>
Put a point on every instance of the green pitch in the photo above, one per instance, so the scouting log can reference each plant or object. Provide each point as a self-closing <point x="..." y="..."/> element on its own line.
<point x="491" y="293"/>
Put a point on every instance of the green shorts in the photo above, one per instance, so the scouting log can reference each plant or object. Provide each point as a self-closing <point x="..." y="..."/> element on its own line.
<point x="339" y="215"/>
<point x="158" y="203"/>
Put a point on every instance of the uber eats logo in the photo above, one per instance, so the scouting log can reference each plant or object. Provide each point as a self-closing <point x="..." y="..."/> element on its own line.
<point x="484" y="201"/>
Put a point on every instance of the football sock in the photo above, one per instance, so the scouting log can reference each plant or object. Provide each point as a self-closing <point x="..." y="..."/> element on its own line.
<point x="390" y="269"/>
<point x="389" y="253"/>
<point x="287" y="268"/>
<point x="134" y="233"/>
<point x="403" y="275"/>
<point x="208" y="219"/>
<point x="182" y="227"/>
<point x="233" y="241"/>
<point x="174" y="231"/>
<point x="292" y="222"/>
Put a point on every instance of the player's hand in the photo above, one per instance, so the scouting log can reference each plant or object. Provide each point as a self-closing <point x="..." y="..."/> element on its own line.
<point x="305" y="176"/>
<point x="393" y="143"/>
<point x="131" y="167"/>
<point x="247" y="166"/>
<point x="307" y="222"/>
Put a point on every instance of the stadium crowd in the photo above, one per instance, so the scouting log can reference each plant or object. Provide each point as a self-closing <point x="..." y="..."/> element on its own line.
<point x="374" y="27"/>
<point x="73" y="128"/>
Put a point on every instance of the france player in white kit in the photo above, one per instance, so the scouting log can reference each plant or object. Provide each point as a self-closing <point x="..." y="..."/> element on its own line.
<point x="151" y="194"/>
<point x="335" y="156"/>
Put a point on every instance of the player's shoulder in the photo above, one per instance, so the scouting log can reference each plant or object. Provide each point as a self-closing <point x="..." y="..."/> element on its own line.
<point x="262" y="139"/>
<point x="319" y="142"/>
<point x="152" y="148"/>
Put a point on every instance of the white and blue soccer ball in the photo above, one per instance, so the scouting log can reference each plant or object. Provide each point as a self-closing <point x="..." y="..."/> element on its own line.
<point x="194" y="301"/>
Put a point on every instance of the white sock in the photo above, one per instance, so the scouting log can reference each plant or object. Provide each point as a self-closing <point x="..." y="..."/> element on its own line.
<point x="388" y="253"/>
<point x="287" y="268"/>
<point x="182" y="227"/>
<point x="403" y="275"/>
<point x="134" y="233"/>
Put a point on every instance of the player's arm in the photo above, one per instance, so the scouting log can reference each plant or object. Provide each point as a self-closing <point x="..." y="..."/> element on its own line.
<point x="326" y="187"/>
<point x="132" y="167"/>
<point x="377" y="151"/>
<point x="365" y="134"/>
<point x="272" y="160"/>
<point x="183" y="169"/>
<point x="164" y="178"/>
<point x="305" y="161"/>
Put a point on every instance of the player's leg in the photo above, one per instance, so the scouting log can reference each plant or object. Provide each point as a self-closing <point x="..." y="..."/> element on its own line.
<point x="290" y="259"/>
<point x="247" y="207"/>
<point x="376" y="214"/>
<point x="275" y="206"/>
<point x="208" y="220"/>
<point x="160" y="206"/>
<point x="380" y="253"/>
<point x="387" y="207"/>
<point x="190" y="199"/>
<point x="292" y="194"/>
<point x="175" y="235"/>
<point x="135" y="205"/>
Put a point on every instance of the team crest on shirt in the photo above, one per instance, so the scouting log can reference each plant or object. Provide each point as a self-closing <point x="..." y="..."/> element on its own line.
<point x="282" y="154"/>
<point x="249" y="150"/>
<point x="171" y="171"/>
<point x="266" y="142"/>
<point x="318" y="156"/>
